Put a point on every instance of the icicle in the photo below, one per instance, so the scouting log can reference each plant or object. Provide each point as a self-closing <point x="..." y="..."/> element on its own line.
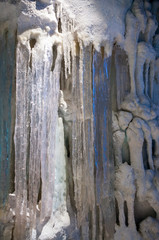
<point x="49" y="123"/>
<point x="76" y="135"/>
<point x="82" y="137"/>
<point x="59" y="218"/>
<point x="59" y="10"/>
<point x="67" y="25"/>
<point x="35" y="132"/>
<point x="20" y="138"/>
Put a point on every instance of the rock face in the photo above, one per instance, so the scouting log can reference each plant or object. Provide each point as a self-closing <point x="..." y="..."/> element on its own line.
<point x="79" y="142"/>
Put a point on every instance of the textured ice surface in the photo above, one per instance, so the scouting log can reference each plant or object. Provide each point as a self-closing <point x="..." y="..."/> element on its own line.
<point x="68" y="81"/>
<point x="7" y="85"/>
<point x="100" y="22"/>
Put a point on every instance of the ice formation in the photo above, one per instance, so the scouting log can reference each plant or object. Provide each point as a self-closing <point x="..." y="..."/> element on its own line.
<point x="79" y="120"/>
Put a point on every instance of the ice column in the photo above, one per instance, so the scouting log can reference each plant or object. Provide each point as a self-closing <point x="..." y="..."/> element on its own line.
<point x="37" y="93"/>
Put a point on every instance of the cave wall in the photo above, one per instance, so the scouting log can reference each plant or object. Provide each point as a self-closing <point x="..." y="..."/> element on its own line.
<point x="79" y="120"/>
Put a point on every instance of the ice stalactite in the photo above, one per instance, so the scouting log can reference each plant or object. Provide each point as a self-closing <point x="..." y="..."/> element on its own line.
<point x="82" y="139"/>
<point x="7" y="75"/>
<point x="102" y="151"/>
<point x="66" y="27"/>
<point x="50" y="118"/>
<point x="36" y="122"/>
<point x="47" y="85"/>
<point x="59" y="218"/>
<point x="79" y="73"/>
<point x="85" y="122"/>
<point x="8" y="36"/>
<point x="20" y="138"/>
<point x="122" y="87"/>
